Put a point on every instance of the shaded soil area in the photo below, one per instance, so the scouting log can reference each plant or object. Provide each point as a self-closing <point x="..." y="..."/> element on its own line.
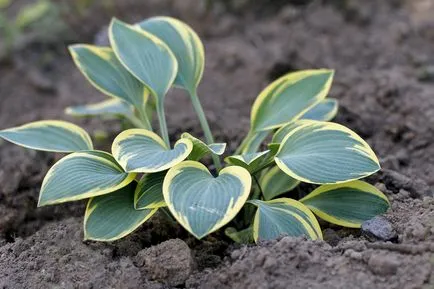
<point x="383" y="54"/>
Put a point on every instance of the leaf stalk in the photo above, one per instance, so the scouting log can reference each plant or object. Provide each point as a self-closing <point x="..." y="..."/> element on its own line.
<point x="205" y="126"/>
<point x="142" y="121"/>
<point x="163" y="125"/>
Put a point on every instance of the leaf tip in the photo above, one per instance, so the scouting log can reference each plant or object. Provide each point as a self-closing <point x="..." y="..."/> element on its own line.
<point x="114" y="20"/>
<point x="113" y="23"/>
<point x="331" y="72"/>
<point x="41" y="204"/>
<point x="73" y="47"/>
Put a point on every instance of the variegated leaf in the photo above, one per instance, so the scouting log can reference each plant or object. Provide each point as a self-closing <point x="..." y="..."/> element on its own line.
<point x="282" y="217"/>
<point x="82" y="175"/>
<point x="112" y="216"/>
<point x="49" y="135"/>
<point x="144" y="55"/>
<point x="289" y="97"/>
<point x="325" y="153"/>
<point x="202" y="203"/>
<point x="348" y="204"/>
<point x="142" y="151"/>
<point x="104" y="71"/>
<point x="185" y="45"/>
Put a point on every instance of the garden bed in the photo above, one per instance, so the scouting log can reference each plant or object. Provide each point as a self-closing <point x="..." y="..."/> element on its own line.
<point x="383" y="54"/>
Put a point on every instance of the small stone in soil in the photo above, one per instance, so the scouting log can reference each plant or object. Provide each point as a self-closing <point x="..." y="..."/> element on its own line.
<point x="170" y="262"/>
<point x="379" y="228"/>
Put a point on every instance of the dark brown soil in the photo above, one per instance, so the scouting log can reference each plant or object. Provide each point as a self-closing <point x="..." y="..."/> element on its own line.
<point x="383" y="54"/>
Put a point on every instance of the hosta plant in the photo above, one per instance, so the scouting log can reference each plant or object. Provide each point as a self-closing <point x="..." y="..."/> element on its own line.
<point x="146" y="171"/>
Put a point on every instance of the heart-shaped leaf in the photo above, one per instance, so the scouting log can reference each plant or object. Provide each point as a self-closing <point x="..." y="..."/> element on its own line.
<point x="49" y="135"/>
<point x="200" y="149"/>
<point x="106" y="107"/>
<point x="325" y="110"/>
<point x="325" y="153"/>
<point x="112" y="216"/>
<point x="104" y="71"/>
<point x="202" y="203"/>
<point x="145" y="56"/>
<point x="149" y="192"/>
<point x="348" y="204"/>
<point x="142" y="151"/>
<point x="82" y="175"/>
<point x="275" y="182"/>
<point x="185" y="45"/>
<point x="282" y="217"/>
<point x="289" y="97"/>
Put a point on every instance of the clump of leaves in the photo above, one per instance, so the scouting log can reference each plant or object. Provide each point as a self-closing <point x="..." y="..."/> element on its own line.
<point x="144" y="61"/>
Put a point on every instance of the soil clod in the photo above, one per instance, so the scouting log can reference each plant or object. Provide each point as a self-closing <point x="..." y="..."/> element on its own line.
<point x="170" y="262"/>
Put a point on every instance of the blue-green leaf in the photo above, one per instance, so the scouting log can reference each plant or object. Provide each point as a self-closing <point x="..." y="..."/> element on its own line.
<point x="82" y="175"/>
<point x="149" y="192"/>
<point x="201" y="149"/>
<point x="202" y="203"/>
<point x="325" y="153"/>
<point x="142" y="151"/>
<point x="325" y="110"/>
<point x="185" y="45"/>
<point x="104" y="71"/>
<point x="111" y="217"/>
<point x="348" y="204"/>
<point x="282" y="217"/>
<point x="145" y="56"/>
<point x="106" y="107"/>
<point x="49" y="135"/>
<point x="275" y="182"/>
<point x="289" y="97"/>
